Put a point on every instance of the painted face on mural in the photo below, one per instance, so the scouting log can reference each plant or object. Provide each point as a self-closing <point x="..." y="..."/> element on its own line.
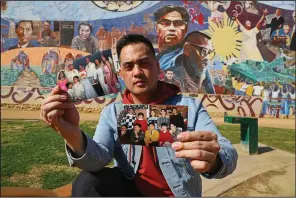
<point x="248" y="24"/>
<point x="286" y="29"/>
<point x="171" y="29"/>
<point x="169" y="75"/>
<point x="46" y="26"/>
<point x="198" y="50"/>
<point x="84" y="32"/>
<point x="24" y="32"/>
<point x="139" y="68"/>
<point x="278" y="12"/>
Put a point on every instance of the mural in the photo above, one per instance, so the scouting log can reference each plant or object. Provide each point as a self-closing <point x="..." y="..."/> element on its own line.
<point x="245" y="49"/>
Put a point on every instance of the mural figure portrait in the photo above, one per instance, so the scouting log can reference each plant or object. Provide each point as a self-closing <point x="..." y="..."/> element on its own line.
<point x="20" y="62"/>
<point x="277" y="22"/>
<point x="50" y="61"/>
<point x="85" y="41"/>
<point x="171" y="26"/>
<point x="24" y="31"/>
<point x="47" y="37"/>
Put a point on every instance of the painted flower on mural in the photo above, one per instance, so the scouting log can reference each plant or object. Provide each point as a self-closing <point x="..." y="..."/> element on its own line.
<point x="9" y="76"/>
<point x="118" y="6"/>
<point x="48" y="80"/>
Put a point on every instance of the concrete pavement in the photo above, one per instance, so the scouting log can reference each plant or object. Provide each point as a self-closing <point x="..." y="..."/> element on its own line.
<point x="249" y="166"/>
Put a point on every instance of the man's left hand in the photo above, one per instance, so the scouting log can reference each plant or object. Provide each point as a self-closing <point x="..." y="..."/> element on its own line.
<point x="201" y="148"/>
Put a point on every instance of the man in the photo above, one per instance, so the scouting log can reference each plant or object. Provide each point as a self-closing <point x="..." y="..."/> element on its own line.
<point x="85" y="41"/>
<point x="24" y="31"/>
<point x="249" y="49"/>
<point x="171" y="27"/>
<point x="171" y="24"/>
<point x="124" y="136"/>
<point x="151" y="136"/>
<point x="90" y="70"/>
<point x="165" y="136"/>
<point x="277" y="22"/>
<point x="192" y="65"/>
<point x="169" y="78"/>
<point x="140" y="171"/>
<point x="47" y="37"/>
<point x="71" y="72"/>
<point x="137" y="135"/>
<point x="163" y="118"/>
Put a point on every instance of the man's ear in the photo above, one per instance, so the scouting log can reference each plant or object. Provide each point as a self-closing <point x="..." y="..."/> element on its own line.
<point x="186" y="49"/>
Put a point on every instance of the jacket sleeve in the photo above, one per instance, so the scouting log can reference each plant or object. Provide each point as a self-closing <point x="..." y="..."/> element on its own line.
<point x="228" y="154"/>
<point x="99" y="150"/>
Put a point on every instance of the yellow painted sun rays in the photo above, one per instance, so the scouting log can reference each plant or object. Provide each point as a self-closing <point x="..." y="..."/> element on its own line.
<point x="226" y="38"/>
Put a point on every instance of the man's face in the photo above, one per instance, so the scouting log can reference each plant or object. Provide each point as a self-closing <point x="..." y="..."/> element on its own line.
<point x="139" y="69"/>
<point x="164" y="128"/>
<point x="163" y="113"/>
<point x="24" y="32"/>
<point x="136" y="128"/>
<point x="171" y="28"/>
<point x="84" y="32"/>
<point x="140" y="117"/>
<point x="198" y="53"/>
<point x="123" y="130"/>
<point x="70" y="67"/>
<point x="278" y="13"/>
<point x="130" y="111"/>
<point x="46" y="26"/>
<point x="248" y="24"/>
<point x="151" y="127"/>
<point x="75" y="80"/>
<point x="87" y="60"/>
<point x="169" y="75"/>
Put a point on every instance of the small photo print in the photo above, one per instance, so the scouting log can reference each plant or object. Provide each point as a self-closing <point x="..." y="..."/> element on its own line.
<point x="150" y="125"/>
<point x="89" y="77"/>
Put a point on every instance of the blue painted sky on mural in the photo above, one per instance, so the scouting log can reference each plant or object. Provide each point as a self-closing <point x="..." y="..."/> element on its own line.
<point x="64" y="10"/>
<point x="287" y="5"/>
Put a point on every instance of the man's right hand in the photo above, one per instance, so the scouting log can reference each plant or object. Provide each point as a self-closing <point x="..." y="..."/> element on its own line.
<point x="60" y="113"/>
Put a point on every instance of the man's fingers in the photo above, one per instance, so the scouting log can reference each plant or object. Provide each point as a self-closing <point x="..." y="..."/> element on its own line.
<point x="55" y="90"/>
<point x="54" y="115"/>
<point x="54" y="106"/>
<point x="196" y="155"/>
<point x="54" y="98"/>
<point x="200" y="166"/>
<point x="197" y="136"/>
<point x="211" y="146"/>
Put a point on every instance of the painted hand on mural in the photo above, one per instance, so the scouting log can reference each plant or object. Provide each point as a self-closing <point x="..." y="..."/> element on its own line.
<point x="201" y="148"/>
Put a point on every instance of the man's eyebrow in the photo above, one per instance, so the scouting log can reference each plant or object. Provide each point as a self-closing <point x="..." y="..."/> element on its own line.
<point x="145" y="58"/>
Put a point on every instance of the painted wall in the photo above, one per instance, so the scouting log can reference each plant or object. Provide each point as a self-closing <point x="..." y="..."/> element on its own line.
<point x="242" y="48"/>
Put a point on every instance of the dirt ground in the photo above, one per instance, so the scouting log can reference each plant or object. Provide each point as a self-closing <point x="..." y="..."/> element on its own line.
<point x="276" y="183"/>
<point x="21" y="114"/>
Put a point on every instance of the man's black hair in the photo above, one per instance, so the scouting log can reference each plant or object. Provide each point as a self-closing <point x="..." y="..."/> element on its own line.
<point x="164" y="124"/>
<point x="23" y="21"/>
<point x="123" y="125"/>
<point x="151" y="123"/>
<point x="76" y="77"/>
<point x="141" y="114"/>
<point x="171" y="8"/>
<point x="85" y="24"/>
<point x="130" y="39"/>
<point x="47" y="22"/>
<point x="139" y="125"/>
<point x="163" y="110"/>
<point x="167" y="70"/>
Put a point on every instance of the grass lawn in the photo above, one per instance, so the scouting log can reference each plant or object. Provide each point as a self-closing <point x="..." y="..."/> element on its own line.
<point x="33" y="155"/>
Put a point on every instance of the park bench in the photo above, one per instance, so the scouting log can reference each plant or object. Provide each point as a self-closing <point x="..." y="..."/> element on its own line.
<point x="248" y="132"/>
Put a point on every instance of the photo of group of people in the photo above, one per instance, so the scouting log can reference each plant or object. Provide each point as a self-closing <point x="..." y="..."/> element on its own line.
<point x="150" y="125"/>
<point x="93" y="77"/>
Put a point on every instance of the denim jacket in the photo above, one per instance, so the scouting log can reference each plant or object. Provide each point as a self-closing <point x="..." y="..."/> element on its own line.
<point x="182" y="179"/>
